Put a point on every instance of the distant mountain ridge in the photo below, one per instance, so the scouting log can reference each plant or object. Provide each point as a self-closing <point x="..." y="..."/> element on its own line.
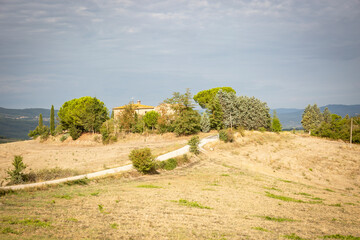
<point x="291" y="117"/>
<point x="16" y="123"/>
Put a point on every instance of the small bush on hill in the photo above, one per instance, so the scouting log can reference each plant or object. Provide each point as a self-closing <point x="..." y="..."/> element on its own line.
<point x="169" y="164"/>
<point x="194" y="145"/>
<point x="226" y="135"/>
<point x="64" y="137"/>
<point x="16" y="175"/>
<point x="75" y="133"/>
<point x="142" y="160"/>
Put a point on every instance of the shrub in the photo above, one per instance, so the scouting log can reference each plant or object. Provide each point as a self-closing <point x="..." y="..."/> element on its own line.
<point x="169" y="164"/>
<point x="194" y="145"/>
<point x="226" y="135"/>
<point x="75" y="133"/>
<point x="142" y="160"/>
<point x="262" y="129"/>
<point x="17" y="176"/>
<point x="64" y="137"/>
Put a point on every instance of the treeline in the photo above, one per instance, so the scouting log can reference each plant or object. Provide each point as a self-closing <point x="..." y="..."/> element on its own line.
<point x="328" y="125"/>
<point x="222" y="109"/>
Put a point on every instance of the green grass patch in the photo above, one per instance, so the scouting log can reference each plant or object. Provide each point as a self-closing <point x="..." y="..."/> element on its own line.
<point x="64" y="196"/>
<point x="82" y="181"/>
<point x="187" y="203"/>
<point x="8" y="230"/>
<point x="329" y="190"/>
<point x="304" y="194"/>
<point x="338" y="236"/>
<point x="272" y="188"/>
<point x="72" y="220"/>
<point x="294" y="236"/>
<point x="208" y="189"/>
<point x="283" y="198"/>
<point x="27" y="222"/>
<point x="148" y="186"/>
<point x="95" y="194"/>
<point x="260" y="229"/>
<point x="349" y="203"/>
<point x="275" y="219"/>
<point x="286" y="181"/>
<point x="225" y="175"/>
<point x="114" y="225"/>
<point x="335" y="205"/>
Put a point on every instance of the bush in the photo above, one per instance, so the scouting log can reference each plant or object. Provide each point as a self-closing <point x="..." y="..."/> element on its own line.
<point x="64" y="137"/>
<point x="194" y="145"/>
<point x="17" y="176"/>
<point x="40" y="131"/>
<point x="169" y="164"/>
<point x="142" y="160"/>
<point x="226" y="135"/>
<point x="75" y="133"/>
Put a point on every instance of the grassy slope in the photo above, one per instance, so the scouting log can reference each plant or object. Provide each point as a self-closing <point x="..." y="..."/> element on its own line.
<point x="214" y="197"/>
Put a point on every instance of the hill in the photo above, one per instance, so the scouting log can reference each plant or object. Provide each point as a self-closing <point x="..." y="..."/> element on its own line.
<point x="16" y="123"/>
<point x="261" y="186"/>
<point x="291" y="117"/>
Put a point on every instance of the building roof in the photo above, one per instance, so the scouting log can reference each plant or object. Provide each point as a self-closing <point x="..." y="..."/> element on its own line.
<point x="137" y="106"/>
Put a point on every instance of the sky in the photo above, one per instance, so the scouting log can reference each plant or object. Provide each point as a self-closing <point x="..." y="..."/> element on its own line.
<point x="287" y="53"/>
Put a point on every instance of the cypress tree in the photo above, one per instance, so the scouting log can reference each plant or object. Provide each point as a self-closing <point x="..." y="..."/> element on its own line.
<point x="52" y="121"/>
<point x="205" y="122"/>
<point x="41" y="120"/>
<point x="275" y="124"/>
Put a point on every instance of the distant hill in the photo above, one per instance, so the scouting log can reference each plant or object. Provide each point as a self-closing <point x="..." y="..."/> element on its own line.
<point x="291" y="117"/>
<point x="16" y="123"/>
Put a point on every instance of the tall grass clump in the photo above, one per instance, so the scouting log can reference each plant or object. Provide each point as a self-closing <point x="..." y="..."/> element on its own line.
<point x="142" y="160"/>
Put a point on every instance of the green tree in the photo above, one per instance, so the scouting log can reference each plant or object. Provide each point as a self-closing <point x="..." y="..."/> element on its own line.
<point x="205" y="97"/>
<point x="187" y="123"/>
<point x="327" y="115"/>
<point x="208" y="99"/>
<point x="84" y="114"/>
<point x="311" y="118"/>
<point x="16" y="175"/>
<point x="187" y="120"/>
<point x="150" y="118"/>
<point x="250" y="113"/>
<point x="128" y="118"/>
<point x="275" y="124"/>
<point x="52" y="121"/>
<point x="41" y="123"/>
<point x="205" y="122"/>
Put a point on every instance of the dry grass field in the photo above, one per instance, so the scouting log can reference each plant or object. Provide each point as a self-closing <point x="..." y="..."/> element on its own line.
<point x="262" y="186"/>
<point x="85" y="155"/>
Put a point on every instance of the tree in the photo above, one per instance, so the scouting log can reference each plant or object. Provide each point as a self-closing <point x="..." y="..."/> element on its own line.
<point x="187" y="123"/>
<point x="187" y="120"/>
<point x="84" y="114"/>
<point x="327" y="115"/>
<point x="205" y="97"/>
<point x="275" y="124"/>
<point x="16" y="175"/>
<point x="150" y="119"/>
<point x="311" y="118"/>
<point x="166" y="118"/>
<point x="142" y="160"/>
<point x="205" y="122"/>
<point x="208" y="99"/>
<point x="41" y="130"/>
<point x="52" y="121"/>
<point x="41" y="120"/>
<point x="194" y="145"/>
<point x="127" y="118"/>
<point x="230" y="108"/>
<point x="250" y="113"/>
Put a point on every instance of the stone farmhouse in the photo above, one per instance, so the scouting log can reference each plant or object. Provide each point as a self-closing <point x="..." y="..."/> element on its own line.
<point x="140" y="109"/>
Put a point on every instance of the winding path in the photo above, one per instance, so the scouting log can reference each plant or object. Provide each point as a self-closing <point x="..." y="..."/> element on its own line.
<point x="163" y="157"/>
